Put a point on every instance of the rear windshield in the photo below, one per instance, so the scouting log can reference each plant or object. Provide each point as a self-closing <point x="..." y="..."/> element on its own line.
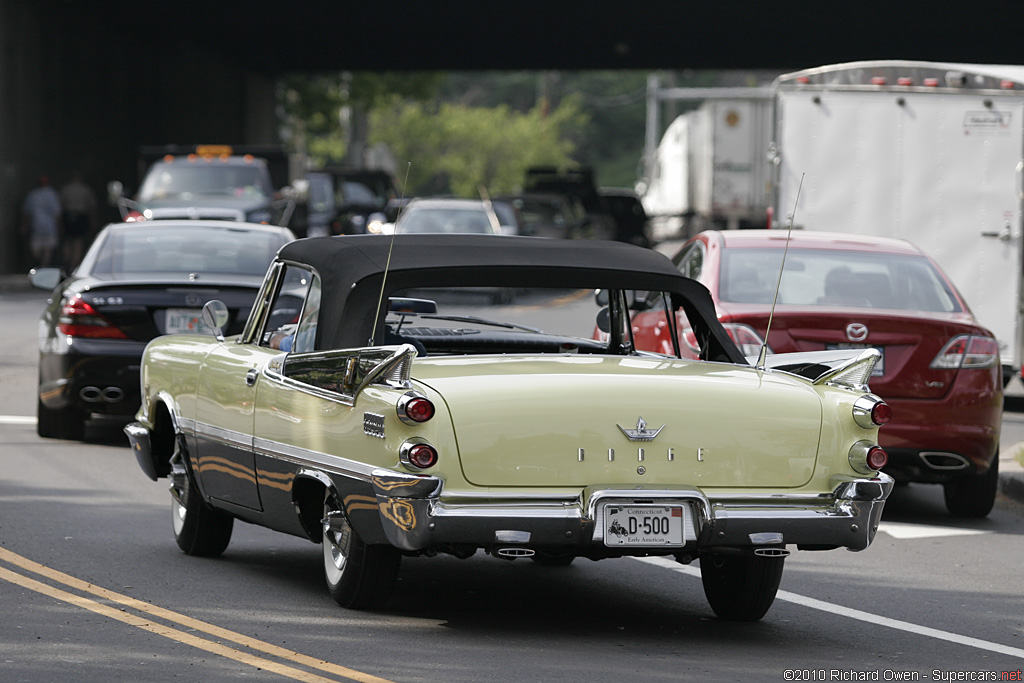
<point x="445" y="220"/>
<point x="822" y="277"/>
<point x="185" y="180"/>
<point x="177" y="249"/>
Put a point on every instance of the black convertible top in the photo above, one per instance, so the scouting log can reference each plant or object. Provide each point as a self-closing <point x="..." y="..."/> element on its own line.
<point x="351" y="269"/>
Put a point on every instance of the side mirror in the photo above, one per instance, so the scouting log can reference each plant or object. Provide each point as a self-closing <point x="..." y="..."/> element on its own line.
<point x="46" y="278"/>
<point x="115" y="192"/>
<point x="215" y="315"/>
<point x="604" y="320"/>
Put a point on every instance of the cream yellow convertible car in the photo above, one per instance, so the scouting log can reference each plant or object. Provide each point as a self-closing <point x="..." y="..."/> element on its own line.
<point x="401" y="412"/>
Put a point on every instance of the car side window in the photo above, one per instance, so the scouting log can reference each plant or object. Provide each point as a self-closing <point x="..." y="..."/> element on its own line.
<point x="283" y="319"/>
<point x="305" y="335"/>
<point x="690" y="261"/>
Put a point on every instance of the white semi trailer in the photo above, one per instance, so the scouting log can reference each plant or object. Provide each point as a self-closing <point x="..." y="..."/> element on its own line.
<point x="928" y="152"/>
<point x="709" y="170"/>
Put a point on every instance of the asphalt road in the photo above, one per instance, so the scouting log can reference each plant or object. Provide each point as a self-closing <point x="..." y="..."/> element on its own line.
<point x="93" y="588"/>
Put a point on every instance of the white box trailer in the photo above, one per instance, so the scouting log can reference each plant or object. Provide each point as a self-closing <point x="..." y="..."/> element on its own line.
<point x="708" y="170"/>
<point x="923" y="151"/>
<point x="728" y="176"/>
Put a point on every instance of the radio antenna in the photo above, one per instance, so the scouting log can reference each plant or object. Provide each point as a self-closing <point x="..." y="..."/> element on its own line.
<point x="492" y="217"/>
<point x="762" y="356"/>
<point x="391" y="246"/>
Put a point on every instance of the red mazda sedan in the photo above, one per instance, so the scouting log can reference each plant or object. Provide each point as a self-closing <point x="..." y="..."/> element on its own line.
<point x="939" y="370"/>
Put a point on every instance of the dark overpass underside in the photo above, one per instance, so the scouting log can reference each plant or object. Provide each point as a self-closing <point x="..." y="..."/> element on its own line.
<point x="573" y="34"/>
<point x="85" y="83"/>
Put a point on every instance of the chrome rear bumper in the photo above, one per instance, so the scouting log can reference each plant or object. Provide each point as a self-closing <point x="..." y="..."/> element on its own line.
<point x="416" y="515"/>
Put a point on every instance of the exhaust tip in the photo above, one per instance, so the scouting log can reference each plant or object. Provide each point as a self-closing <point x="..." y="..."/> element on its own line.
<point x="91" y="394"/>
<point x="947" y="462"/>
<point x="112" y="394"/>
<point x="513" y="553"/>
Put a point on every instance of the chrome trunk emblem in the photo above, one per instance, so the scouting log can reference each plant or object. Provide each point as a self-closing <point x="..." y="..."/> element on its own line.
<point x="641" y="433"/>
<point x="856" y="332"/>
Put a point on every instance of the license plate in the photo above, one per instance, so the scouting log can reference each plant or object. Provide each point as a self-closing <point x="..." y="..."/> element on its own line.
<point x="185" y="320"/>
<point x="644" y="525"/>
<point x="879" y="366"/>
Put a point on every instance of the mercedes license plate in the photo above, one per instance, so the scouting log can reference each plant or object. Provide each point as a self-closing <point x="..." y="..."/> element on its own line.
<point x="644" y="525"/>
<point x="185" y="320"/>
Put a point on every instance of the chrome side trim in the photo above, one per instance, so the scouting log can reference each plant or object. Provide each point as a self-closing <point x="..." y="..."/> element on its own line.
<point x="227" y="437"/>
<point x="302" y="456"/>
<point x="280" y="451"/>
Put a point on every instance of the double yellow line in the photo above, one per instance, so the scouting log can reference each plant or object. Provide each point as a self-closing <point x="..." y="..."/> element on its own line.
<point x="117" y="606"/>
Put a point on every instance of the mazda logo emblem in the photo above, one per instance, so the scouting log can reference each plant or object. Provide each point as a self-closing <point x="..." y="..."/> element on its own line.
<point x="856" y="332"/>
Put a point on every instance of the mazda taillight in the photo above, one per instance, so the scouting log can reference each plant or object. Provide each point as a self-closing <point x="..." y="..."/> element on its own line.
<point x="745" y="337"/>
<point x="79" y="319"/>
<point x="967" y="351"/>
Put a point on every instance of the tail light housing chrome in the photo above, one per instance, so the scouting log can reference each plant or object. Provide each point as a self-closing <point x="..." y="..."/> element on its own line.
<point x="414" y="408"/>
<point x="870" y="411"/>
<point x="417" y="454"/>
<point x="79" y="319"/>
<point x="967" y="351"/>
<point x="867" y="457"/>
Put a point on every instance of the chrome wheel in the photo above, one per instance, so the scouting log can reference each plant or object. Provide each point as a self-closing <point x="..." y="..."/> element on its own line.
<point x="337" y="538"/>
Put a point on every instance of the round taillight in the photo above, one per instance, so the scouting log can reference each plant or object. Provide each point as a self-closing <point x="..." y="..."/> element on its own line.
<point x="871" y="412"/>
<point x="867" y="457"/>
<point x="415" y="408"/>
<point x="420" y="409"/>
<point x="877" y="458"/>
<point x="417" y="453"/>
<point x="881" y="413"/>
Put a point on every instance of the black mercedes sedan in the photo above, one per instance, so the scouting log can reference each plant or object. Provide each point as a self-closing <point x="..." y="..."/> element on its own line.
<point x="136" y="282"/>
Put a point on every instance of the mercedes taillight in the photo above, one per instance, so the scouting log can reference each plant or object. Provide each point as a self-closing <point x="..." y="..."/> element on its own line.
<point x="79" y="319"/>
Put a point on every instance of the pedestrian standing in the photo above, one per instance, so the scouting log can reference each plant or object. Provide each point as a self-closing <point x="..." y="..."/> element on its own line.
<point x="41" y="212"/>
<point x="79" y="205"/>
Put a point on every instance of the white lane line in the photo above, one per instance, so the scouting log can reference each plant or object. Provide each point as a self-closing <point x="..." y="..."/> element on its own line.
<point x="909" y="531"/>
<point x="16" y="420"/>
<point x="832" y="608"/>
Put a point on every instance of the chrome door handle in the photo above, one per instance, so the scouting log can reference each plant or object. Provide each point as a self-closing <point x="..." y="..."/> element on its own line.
<point x="250" y="377"/>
